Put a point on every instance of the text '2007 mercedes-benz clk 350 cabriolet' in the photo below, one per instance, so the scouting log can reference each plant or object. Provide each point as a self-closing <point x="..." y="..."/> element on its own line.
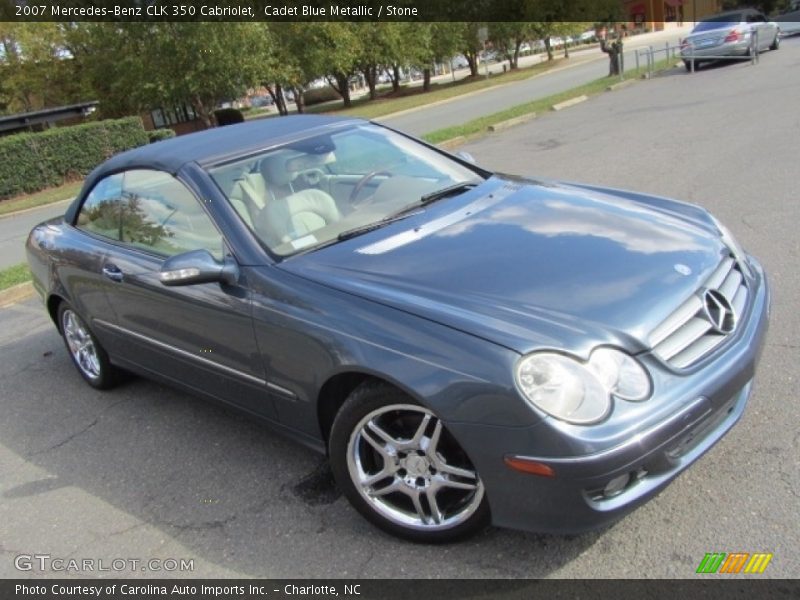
<point x="466" y="347"/>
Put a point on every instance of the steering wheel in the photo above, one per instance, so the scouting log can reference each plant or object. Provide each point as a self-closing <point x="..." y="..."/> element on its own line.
<point x="360" y="186"/>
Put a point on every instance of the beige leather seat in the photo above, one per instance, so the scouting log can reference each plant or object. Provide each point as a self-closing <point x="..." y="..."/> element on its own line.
<point x="296" y="215"/>
<point x="249" y="196"/>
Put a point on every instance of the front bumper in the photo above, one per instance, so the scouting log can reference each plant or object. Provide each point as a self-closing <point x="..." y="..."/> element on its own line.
<point x="710" y="402"/>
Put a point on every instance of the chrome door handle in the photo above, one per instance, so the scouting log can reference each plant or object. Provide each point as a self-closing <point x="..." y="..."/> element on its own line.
<point x="112" y="272"/>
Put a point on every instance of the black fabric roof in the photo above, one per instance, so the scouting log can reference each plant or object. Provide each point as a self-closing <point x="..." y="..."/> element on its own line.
<point x="221" y="143"/>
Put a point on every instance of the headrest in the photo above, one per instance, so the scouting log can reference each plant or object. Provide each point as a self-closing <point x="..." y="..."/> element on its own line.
<point x="275" y="170"/>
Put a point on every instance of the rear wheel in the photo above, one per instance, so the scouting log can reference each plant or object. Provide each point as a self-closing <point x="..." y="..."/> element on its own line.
<point x="85" y="350"/>
<point x="402" y="470"/>
<point x="776" y="43"/>
<point x="688" y="65"/>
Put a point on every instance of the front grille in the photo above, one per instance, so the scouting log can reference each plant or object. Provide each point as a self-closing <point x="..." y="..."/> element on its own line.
<point x="689" y="333"/>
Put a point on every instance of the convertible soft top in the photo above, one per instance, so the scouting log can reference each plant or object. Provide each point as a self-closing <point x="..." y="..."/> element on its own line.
<point x="216" y="144"/>
<point x="212" y="146"/>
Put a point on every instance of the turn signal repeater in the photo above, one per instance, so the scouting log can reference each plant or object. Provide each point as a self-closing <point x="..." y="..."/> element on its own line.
<point x="530" y="466"/>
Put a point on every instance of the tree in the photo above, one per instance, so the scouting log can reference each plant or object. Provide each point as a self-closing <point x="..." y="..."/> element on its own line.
<point x="36" y="69"/>
<point x="508" y="37"/>
<point x="471" y="46"/>
<point x="566" y="29"/>
<point x="139" y="66"/>
<point x="332" y="49"/>
<point x="443" y="40"/>
<point x="382" y="46"/>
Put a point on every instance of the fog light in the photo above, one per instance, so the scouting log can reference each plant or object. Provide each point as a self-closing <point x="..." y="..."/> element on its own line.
<point x="616" y="485"/>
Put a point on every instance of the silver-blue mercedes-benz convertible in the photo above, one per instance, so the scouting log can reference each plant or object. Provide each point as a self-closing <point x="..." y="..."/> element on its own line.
<point x="466" y="347"/>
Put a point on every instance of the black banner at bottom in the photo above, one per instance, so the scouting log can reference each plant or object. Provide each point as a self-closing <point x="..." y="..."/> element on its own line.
<point x="389" y="589"/>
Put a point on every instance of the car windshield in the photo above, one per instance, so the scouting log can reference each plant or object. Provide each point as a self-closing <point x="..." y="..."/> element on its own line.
<point x="717" y="23"/>
<point x="329" y="187"/>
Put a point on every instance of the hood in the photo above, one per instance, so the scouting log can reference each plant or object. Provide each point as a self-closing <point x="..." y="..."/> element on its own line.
<point x="528" y="265"/>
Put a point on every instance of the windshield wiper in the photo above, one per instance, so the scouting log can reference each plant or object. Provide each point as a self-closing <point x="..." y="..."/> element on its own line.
<point x="356" y="231"/>
<point x="446" y="191"/>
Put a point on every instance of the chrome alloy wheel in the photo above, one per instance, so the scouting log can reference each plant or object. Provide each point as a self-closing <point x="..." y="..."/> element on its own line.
<point x="410" y="470"/>
<point x="80" y="344"/>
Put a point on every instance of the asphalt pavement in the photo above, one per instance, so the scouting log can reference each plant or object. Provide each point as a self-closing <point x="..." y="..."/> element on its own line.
<point x="145" y="472"/>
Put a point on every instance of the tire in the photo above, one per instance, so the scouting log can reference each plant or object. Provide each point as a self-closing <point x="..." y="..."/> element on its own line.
<point x="776" y="43"/>
<point x="86" y="352"/>
<point x="381" y="431"/>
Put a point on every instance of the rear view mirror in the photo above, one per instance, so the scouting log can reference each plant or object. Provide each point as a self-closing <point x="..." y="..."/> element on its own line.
<point x="197" y="266"/>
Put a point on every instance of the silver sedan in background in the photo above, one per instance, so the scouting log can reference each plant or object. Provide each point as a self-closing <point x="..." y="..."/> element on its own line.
<point x="731" y="34"/>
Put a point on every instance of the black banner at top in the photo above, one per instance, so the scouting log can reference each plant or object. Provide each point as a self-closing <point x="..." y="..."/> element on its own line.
<point x="312" y="10"/>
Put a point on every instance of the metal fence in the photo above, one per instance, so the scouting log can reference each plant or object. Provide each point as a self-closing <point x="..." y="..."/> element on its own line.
<point x="651" y="54"/>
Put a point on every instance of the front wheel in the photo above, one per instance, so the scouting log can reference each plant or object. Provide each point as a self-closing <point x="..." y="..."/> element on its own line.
<point x="402" y="470"/>
<point x="776" y="43"/>
<point x="85" y="350"/>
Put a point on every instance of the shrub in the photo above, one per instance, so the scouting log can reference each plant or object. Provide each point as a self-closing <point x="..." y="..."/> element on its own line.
<point x="30" y="162"/>
<point x="228" y="116"/>
<point x="156" y="135"/>
<point x="317" y="95"/>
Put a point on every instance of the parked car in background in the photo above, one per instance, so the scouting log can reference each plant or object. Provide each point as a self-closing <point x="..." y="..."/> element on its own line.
<point x="789" y="20"/>
<point x="729" y="34"/>
<point x="466" y="347"/>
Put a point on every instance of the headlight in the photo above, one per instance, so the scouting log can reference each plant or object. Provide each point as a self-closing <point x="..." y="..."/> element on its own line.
<point x="736" y="249"/>
<point x="578" y="392"/>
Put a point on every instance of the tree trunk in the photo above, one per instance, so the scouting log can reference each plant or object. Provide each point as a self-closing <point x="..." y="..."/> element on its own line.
<point x="395" y="77"/>
<point x="566" y="49"/>
<point x="343" y="87"/>
<point x="202" y="111"/>
<point x="299" y="101"/>
<point x="472" y="59"/>
<point x="614" y="51"/>
<point x="426" y="79"/>
<point x="548" y="47"/>
<point x="514" y="64"/>
<point x="371" y="75"/>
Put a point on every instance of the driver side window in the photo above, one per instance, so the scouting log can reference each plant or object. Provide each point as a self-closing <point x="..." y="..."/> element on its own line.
<point x="150" y="211"/>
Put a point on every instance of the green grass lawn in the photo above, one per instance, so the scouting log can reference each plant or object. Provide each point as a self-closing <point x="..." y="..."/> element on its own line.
<point x="479" y="126"/>
<point x="14" y="275"/>
<point x="48" y="196"/>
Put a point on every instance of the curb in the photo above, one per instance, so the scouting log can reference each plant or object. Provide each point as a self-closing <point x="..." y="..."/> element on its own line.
<point x="452" y="143"/>
<point x="16" y="293"/>
<point x="620" y="85"/>
<point x="570" y="102"/>
<point x="501" y="125"/>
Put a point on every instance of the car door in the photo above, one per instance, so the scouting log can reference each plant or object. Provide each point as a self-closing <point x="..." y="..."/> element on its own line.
<point x="200" y="336"/>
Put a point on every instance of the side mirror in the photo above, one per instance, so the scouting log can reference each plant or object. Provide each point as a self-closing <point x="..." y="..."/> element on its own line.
<point x="466" y="156"/>
<point x="197" y="266"/>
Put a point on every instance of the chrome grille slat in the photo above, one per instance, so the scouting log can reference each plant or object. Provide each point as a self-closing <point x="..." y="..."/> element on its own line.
<point x="677" y="319"/>
<point x="688" y="333"/>
<point x="739" y="301"/>
<point x="697" y="350"/>
<point x="719" y="274"/>
<point x="731" y="284"/>
<point x="683" y="338"/>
